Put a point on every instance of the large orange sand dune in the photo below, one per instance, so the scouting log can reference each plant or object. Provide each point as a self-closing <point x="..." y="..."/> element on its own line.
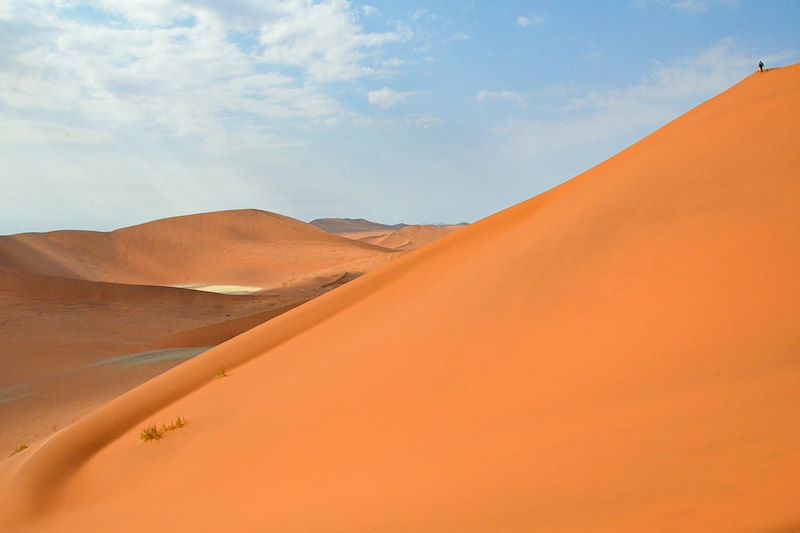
<point x="241" y="247"/>
<point x="621" y="353"/>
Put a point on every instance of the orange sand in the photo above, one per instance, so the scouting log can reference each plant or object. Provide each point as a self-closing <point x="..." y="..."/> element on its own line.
<point x="402" y="237"/>
<point x="618" y="354"/>
<point x="62" y="338"/>
<point x="406" y="238"/>
<point x="240" y="247"/>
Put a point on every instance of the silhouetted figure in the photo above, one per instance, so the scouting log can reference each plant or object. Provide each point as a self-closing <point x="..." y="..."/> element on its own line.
<point x="761" y="66"/>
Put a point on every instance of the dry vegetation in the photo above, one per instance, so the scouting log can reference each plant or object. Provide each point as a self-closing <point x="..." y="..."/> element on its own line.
<point x="18" y="449"/>
<point x="155" y="432"/>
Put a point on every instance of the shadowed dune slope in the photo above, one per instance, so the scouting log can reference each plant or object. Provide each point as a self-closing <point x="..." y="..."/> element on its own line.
<point x="49" y="323"/>
<point x="241" y="247"/>
<point x="59" y="337"/>
<point x="621" y="353"/>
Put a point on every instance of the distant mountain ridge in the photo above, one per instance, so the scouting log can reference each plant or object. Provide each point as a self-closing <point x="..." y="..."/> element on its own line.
<point x="350" y="225"/>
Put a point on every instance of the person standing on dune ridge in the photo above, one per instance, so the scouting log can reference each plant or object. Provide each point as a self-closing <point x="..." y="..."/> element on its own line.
<point x="761" y="66"/>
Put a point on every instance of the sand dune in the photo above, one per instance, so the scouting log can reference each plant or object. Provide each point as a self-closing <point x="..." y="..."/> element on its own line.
<point x="244" y="247"/>
<point x="617" y="354"/>
<point x="55" y="331"/>
<point x="402" y="237"/>
<point x="406" y="238"/>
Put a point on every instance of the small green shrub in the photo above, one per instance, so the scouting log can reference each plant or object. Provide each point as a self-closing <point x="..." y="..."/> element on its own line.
<point x="221" y="374"/>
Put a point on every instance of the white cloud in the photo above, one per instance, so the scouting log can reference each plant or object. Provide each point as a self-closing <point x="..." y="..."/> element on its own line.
<point x="188" y="78"/>
<point x="15" y="131"/>
<point x="324" y="39"/>
<point x="387" y="97"/>
<point x="688" y="6"/>
<point x="518" y="98"/>
<point x="369" y="11"/>
<point x="525" y="21"/>
<point x="666" y="92"/>
<point x="425" y="122"/>
<point x="521" y="99"/>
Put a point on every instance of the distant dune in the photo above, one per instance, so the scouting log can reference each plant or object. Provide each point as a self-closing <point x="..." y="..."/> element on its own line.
<point x="403" y="237"/>
<point x="243" y="247"/>
<point x="407" y="238"/>
<point x="617" y="354"/>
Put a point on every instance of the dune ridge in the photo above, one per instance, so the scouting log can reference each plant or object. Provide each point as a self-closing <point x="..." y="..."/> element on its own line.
<point x="618" y="352"/>
<point x="262" y="249"/>
<point x="406" y="238"/>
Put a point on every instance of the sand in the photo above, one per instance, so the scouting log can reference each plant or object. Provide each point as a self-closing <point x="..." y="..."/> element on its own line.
<point x="68" y="302"/>
<point x="405" y="239"/>
<point x="400" y="237"/>
<point x="617" y="354"/>
<point x="247" y="248"/>
<point x="55" y="331"/>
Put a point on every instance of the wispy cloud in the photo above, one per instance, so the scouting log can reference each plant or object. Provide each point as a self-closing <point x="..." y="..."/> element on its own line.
<point x="520" y="99"/>
<point x="668" y="90"/>
<point x="524" y="21"/>
<point x="183" y="69"/>
<point x="688" y="6"/>
<point x="15" y="131"/>
<point x="387" y="97"/>
<point x="423" y="121"/>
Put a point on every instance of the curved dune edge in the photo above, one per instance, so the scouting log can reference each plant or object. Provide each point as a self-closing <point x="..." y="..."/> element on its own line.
<point x="185" y="251"/>
<point x="219" y="332"/>
<point x="631" y="386"/>
<point x="37" y="473"/>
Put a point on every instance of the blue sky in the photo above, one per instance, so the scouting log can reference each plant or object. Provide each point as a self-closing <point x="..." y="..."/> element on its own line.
<point x="117" y="112"/>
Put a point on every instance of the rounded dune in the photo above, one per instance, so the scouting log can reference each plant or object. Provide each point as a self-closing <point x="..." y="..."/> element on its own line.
<point x="617" y="354"/>
<point x="241" y="247"/>
<point x="409" y="237"/>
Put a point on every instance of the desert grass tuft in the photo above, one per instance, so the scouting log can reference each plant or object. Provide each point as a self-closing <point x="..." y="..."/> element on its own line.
<point x="154" y="432"/>
<point x="221" y="374"/>
<point x="18" y="449"/>
<point x="151" y="433"/>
